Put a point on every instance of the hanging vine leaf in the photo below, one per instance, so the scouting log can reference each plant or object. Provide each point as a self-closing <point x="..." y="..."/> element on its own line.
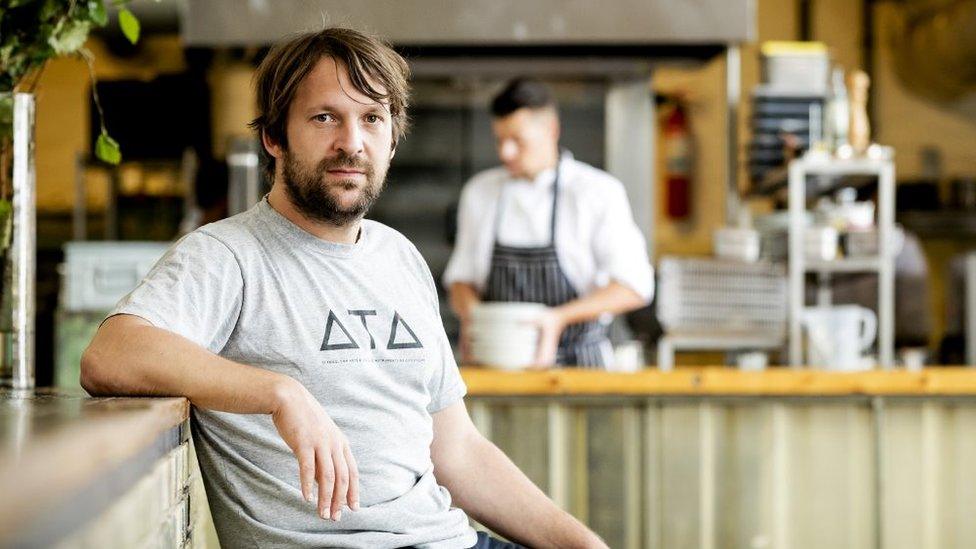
<point x="6" y="115"/>
<point x="34" y="31"/>
<point x="107" y="150"/>
<point x="97" y="13"/>
<point x="6" y="223"/>
<point x="68" y="37"/>
<point x="129" y="25"/>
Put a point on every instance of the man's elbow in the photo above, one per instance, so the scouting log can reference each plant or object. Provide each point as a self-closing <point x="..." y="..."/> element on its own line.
<point x="94" y="371"/>
<point x="632" y="299"/>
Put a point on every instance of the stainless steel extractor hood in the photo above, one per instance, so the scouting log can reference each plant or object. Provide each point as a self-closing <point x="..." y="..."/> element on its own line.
<point x="472" y="23"/>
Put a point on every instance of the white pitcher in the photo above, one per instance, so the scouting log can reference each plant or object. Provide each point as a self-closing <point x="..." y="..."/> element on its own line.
<point x="838" y="336"/>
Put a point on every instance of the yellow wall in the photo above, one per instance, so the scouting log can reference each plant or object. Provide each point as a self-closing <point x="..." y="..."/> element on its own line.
<point x="63" y="103"/>
<point x="62" y="114"/>
<point x="705" y="90"/>
<point x="61" y="130"/>
<point x="232" y="102"/>
<point x="909" y="122"/>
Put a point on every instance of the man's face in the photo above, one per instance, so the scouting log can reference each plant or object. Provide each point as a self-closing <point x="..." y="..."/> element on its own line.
<point x="526" y="141"/>
<point x="340" y="143"/>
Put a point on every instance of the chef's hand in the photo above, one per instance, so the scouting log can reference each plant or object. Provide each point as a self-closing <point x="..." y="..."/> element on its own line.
<point x="551" y="326"/>
<point x="323" y="453"/>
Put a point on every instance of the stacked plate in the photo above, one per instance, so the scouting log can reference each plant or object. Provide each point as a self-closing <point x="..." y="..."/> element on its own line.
<point x="503" y="335"/>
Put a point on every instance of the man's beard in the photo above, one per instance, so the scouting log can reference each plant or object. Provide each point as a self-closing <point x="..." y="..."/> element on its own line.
<point x="318" y="199"/>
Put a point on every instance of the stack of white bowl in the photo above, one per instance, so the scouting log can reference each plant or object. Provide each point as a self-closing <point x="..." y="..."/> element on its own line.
<point x="503" y="335"/>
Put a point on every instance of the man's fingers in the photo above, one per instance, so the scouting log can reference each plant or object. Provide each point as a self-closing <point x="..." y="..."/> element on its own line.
<point x="353" y="496"/>
<point x="306" y="472"/>
<point x="546" y="352"/>
<point x="325" y="476"/>
<point x="465" y="340"/>
<point x="341" y="480"/>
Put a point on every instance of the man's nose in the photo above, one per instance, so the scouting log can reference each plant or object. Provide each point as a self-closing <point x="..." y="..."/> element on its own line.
<point x="507" y="151"/>
<point x="348" y="139"/>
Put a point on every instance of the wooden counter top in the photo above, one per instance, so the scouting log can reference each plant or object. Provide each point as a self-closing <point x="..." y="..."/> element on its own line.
<point x="53" y="445"/>
<point x="720" y="381"/>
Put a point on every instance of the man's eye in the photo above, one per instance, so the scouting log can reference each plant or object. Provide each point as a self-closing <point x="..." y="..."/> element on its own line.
<point x="324" y="117"/>
<point x="374" y="118"/>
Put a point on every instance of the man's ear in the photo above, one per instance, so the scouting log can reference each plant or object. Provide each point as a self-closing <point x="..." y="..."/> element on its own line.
<point x="270" y="145"/>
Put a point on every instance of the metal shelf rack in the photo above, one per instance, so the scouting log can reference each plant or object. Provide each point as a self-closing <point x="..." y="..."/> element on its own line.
<point x="883" y="264"/>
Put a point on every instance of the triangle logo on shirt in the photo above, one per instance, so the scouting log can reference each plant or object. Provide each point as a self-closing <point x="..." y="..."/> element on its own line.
<point x="393" y="343"/>
<point x="328" y="344"/>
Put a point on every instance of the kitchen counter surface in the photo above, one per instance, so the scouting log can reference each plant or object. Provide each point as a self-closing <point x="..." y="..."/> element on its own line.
<point x="60" y="449"/>
<point x="56" y="445"/>
<point x="702" y="381"/>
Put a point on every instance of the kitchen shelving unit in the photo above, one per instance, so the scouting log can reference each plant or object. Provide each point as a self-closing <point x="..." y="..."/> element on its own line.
<point x="883" y="263"/>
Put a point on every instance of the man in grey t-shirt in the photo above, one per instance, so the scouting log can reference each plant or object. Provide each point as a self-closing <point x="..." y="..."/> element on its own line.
<point x="327" y="407"/>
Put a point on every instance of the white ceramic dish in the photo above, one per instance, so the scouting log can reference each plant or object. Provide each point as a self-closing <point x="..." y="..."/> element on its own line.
<point x="506" y="312"/>
<point x="503" y="335"/>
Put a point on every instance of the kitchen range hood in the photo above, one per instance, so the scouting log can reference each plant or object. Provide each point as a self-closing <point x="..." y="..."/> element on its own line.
<point x="466" y="23"/>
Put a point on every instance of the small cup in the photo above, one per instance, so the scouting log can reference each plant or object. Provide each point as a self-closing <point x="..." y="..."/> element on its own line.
<point x="913" y="358"/>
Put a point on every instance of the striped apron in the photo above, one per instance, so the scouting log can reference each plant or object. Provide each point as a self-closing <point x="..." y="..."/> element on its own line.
<point x="532" y="274"/>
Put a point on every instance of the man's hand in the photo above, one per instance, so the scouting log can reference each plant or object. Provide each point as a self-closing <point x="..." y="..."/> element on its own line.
<point x="322" y="450"/>
<point x="551" y="325"/>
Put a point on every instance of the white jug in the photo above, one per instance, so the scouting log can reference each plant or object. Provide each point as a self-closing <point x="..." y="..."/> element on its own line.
<point x="837" y="336"/>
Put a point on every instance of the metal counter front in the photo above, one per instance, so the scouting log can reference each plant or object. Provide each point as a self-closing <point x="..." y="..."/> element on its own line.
<point x="98" y="472"/>
<point x="714" y="457"/>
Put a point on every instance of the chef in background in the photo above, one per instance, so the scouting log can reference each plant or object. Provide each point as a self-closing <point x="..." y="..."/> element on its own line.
<point x="546" y="228"/>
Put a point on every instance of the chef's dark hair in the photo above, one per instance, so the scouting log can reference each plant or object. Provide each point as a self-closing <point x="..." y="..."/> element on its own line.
<point x="522" y="93"/>
<point x="375" y="70"/>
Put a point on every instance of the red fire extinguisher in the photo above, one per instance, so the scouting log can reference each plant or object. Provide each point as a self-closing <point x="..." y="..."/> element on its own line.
<point x="678" y="155"/>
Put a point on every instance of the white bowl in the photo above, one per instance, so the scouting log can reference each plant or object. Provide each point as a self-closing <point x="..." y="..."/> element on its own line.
<point x="504" y="336"/>
<point x="506" y="312"/>
<point x="502" y="330"/>
<point x="490" y="350"/>
<point x="504" y="356"/>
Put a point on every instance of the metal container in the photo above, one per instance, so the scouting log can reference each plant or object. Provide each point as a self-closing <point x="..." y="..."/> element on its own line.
<point x="246" y="184"/>
<point x="796" y="66"/>
<point x="17" y="242"/>
<point x="964" y="193"/>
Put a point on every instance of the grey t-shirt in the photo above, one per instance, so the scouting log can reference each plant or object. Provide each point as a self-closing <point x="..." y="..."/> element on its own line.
<point x="359" y="326"/>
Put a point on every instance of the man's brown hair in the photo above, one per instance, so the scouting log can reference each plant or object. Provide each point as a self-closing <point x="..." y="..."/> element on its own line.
<point x="375" y="70"/>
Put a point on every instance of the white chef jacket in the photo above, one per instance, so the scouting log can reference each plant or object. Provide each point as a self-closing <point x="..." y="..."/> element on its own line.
<point x="596" y="238"/>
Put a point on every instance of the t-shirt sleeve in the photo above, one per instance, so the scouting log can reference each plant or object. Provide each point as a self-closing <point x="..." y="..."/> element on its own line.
<point x="444" y="385"/>
<point x="619" y="247"/>
<point x="467" y="255"/>
<point x="195" y="290"/>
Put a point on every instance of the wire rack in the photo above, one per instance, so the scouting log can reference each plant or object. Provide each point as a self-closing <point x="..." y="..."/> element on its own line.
<point x="702" y="295"/>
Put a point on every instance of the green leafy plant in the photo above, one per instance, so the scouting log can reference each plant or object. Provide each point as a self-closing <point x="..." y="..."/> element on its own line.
<point x="32" y="32"/>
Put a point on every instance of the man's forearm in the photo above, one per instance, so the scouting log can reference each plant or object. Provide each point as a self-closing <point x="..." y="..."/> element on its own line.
<point x="494" y="492"/>
<point x="613" y="298"/>
<point x="129" y="356"/>
<point x="463" y="297"/>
